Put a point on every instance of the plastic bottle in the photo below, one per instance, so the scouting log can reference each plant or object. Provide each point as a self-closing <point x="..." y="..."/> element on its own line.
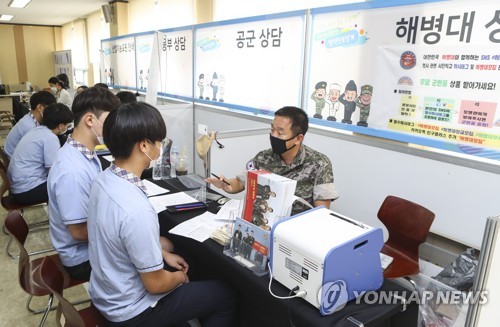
<point x="174" y="157"/>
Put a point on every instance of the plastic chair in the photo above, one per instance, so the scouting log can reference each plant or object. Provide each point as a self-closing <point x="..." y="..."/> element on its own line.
<point x="408" y="225"/>
<point x="53" y="279"/>
<point x="9" y="204"/>
<point x="27" y="271"/>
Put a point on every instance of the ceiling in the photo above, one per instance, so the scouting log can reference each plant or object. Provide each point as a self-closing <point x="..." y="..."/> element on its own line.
<point x="50" y="12"/>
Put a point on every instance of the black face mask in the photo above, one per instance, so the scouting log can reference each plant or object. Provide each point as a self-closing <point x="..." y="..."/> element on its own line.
<point x="278" y="145"/>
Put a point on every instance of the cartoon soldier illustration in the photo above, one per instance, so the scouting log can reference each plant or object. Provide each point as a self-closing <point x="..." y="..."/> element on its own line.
<point x="215" y="86"/>
<point x="363" y="102"/>
<point x="222" y="87"/>
<point x="333" y="101"/>
<point x="348" y="99"/>
<point x="201" y="84"/>
<point x="318" y="96"/>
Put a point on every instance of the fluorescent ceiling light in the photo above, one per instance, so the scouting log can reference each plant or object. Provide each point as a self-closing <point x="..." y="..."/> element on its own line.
<point x="6" y="18"/>
<point x="19" y="3"/>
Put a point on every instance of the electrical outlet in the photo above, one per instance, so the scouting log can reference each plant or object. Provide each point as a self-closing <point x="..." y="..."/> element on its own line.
<point x="202" y="129"/>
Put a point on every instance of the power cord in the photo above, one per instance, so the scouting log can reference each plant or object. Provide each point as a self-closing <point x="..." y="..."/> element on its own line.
<point x="294" y="290"/>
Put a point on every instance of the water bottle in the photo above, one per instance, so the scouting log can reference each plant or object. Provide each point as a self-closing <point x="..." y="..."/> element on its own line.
<point x="174" y="157"/>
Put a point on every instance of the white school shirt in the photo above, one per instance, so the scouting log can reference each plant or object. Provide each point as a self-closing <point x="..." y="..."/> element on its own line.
<point x="68" y="186"/>
<point x="123" y="242"/>
<point x="32" y="159"/>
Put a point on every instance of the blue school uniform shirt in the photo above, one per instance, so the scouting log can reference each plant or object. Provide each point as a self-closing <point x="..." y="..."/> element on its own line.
<point x="32" y="159"/>
<point x="21" y="128"/>
<point x="123" y="242"/>
<point x="68" y="186"/>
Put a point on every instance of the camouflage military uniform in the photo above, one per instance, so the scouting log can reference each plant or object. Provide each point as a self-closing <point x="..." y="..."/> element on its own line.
<point x="364" y="111"/>
<point x="311" y="169"/>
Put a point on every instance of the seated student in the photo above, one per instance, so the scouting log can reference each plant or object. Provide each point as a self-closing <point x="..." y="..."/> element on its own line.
<point x="126" y="96"/>
<point x="57" y="88"/>
<point x="81" y="88"/>
<point x="71" y="176"/>
<point x="128" y="283"/>
<point x="34" y="155"/>
<point x="290" y="158"/>
<point x="38" y="102"/>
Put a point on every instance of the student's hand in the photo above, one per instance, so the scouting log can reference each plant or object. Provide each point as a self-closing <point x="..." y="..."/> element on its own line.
<point x="218" y="182"/>
<point x="175" y="261"/>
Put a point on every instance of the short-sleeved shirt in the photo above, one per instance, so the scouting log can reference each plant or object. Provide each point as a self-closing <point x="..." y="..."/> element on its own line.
<point x="123" y="242"/>
<point x="23" y="126"/>
<point x="311" y="169"/>
<point x="68" y="186"/>
<point x="32" y="159"/>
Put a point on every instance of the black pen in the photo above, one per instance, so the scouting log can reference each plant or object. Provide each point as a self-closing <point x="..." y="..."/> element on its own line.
<point x="220" y="179"/>
<point x="348" y="220"/>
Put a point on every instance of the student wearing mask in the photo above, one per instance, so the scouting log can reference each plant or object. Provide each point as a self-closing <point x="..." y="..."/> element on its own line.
<point x="290" y="158"/>
<point x="128" y="283"/>
<point x="38" y="102"/>
<point x="57" y="88"/>
<point x="72" y="173"/>
<point x="34" y="155"/>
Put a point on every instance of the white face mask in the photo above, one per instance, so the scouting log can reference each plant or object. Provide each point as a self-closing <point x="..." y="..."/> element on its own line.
<point x="158" y="160"/>
<point x="53" y="89"/>
<point x="100" y="139"/>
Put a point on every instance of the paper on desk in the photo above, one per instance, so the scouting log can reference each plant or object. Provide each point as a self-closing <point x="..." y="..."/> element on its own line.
<point x="230" y="210"/>
<point x="199" y="228"/>
<point x="161" y="202"/>
<point x="109" y="158"/>
<point x="154" y="189"/>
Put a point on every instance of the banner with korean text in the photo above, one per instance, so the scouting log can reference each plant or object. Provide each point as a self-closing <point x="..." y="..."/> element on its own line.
<point x="144" y="46"/>
<point x="425" y="73"/>
<point x="176" y="63"/>
<point x="253" y="64"/>
<point x="118" y="67"/>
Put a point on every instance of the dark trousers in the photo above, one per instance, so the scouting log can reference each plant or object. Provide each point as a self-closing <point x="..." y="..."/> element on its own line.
<point x="81" y="271"/>
<point x="212" y="302"/>
<point x="33" y="196"/>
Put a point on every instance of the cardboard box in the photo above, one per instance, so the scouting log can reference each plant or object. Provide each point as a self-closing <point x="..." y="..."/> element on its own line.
<point x="269" y="198"/>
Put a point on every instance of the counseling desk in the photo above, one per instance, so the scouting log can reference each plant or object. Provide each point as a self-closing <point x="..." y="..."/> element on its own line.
<point x="257" y="308"/>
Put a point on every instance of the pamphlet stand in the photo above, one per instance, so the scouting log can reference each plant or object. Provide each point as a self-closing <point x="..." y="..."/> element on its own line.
<point x="249" y="246"/>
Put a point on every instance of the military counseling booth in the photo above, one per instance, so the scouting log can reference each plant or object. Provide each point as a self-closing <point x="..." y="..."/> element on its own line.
<point x="402" y="103"/>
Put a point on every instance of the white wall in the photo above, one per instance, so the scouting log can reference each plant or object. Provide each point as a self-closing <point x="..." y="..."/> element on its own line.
<point x="229" y="9"/>
<point x="150" y="15"/>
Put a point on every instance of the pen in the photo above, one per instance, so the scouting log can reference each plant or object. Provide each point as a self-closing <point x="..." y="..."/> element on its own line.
<point x="189" y="205"/>
<point x="349" y="221"/>
<point x="219" y="178"/>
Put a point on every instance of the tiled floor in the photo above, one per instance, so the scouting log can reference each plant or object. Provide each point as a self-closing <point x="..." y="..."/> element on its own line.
<point x="13" y="311"/>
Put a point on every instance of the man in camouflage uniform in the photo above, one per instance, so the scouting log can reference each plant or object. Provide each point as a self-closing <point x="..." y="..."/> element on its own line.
<point x="363" y="102"/>
<point x="290" y="158"/>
